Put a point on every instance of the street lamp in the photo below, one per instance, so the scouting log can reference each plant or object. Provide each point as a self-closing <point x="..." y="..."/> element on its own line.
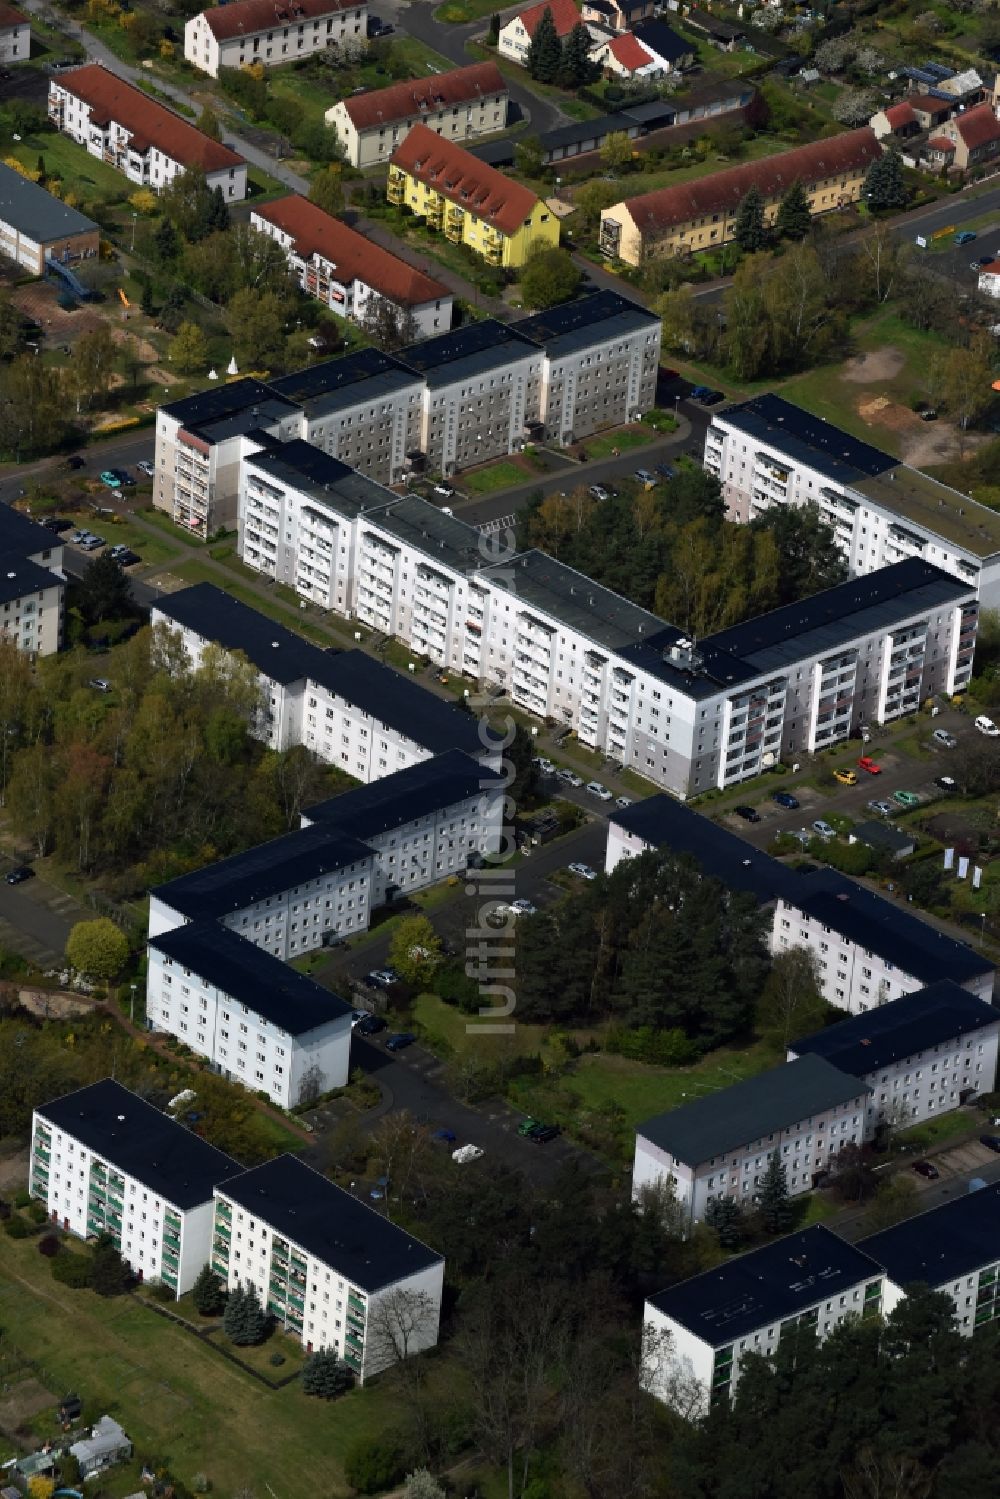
<point x="131" y="1008"/>
<point x="134" y="217"/>
<point x="982" y="918"/>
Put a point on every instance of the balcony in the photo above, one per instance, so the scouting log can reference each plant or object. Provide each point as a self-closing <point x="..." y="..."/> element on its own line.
<point x="223" y="1232"/>
<point x="352" y="1358"/>
<point x="220" y="1268"/>
<point x="354" y="1303"/>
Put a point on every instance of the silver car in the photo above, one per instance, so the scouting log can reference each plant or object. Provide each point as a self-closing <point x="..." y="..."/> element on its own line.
<point x="942" y="737"/>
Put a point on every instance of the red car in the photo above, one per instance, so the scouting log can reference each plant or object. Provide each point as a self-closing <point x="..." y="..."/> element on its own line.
<point x="867" y="763"/>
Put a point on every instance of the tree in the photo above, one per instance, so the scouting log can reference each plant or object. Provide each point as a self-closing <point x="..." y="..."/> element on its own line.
<point x="11" y="328"/>
<point x="415" y="950"/>
<point x="773" y="1205"/>
<point x="545" y="52"/>
<point x="676" y="311"/>
<point x="421" y="1484"/>
<point x="529" y="156"/>
<point x="794" y="216"/>
<point x="389" y="325"/>
<point x="144" y="201"/>
<point x="189" y="349"/>
<point x="33" y="408"/>
<point x="964" y="378"/>
<point x="109" y="1273"/>
<point x="549" y="277"/>
<point x="852" y="1178"/>
<point x="725" y="1215"/>
<point x="576" y="69"/>
<point x="749" y="228"/>
<point x="104" y="591"/>
<point x="325" y="1375"/>
<point x="809" y="558"/>
<point x="855" y="106"/>
<point x="493" y="34"/>
<point x="616" y="153"/>
<point x="792" y="1003"/>
<point x="208" y="1293"/>
<point x="884" y="185"/>
<point x="208" y="123"/>
<point x="166" y="242"/>
<point x="257" y="325"/>
<point x="327" y="191"/>
<point x="40" y="1486"/>
<point x="89" y="373"/>
<point x="245" y="1322"/>
<point x="372" y="1464"/>
<point x="591" y="199"/>
<point x="97" y="948"/>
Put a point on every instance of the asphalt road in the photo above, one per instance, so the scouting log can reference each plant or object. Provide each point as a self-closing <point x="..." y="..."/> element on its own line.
<point x="38" y="917"/>
<point x="958" y="1166"/>
<point x="116" y="452"/>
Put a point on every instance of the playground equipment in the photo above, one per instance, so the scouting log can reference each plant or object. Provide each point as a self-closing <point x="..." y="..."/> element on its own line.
<point x="124" y="299"/>
<point x="76" y="286"/>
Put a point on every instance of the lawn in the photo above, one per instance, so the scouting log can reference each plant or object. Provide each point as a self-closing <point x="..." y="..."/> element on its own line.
<point x="175" y="1396"/>
<point x="622" y="440"/>
<point x="86" y="177"/>
<point x="151" y="548"/>
<point x="503" y="474"/>
<point x="464" y="1034"/>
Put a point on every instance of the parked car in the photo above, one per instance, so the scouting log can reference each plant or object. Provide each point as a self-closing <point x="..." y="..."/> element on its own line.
<point x="884" y="808"/>
<point x="466" y="1153"/>
<point x="599" y="492"/>
<point x="74" y="461"/>
<point x="872" y="767"/>
<point x="992" y="1142"/>
<point x="447" y="490"/>
<point x="92" y="543"/>
<point x="824" y="829"/>
<point x="623" y="802"/>
<point x="987" y="726"/>
<point x="749" y="814"/>
<point x="942" y="737"/>
<point x="713" y="398"/>
<point x="543" y="1133"/>
<point x="100" y="684"/>
<point x="699" y="392"/>
<point x="666" y="471"/>
<point x="124" y="477"/>
<point x="582" y="871"/>
<point x="370" y="1026"/>
<point x="570" y="777"/>
<point x="846" y="777"/>
<point x="523" y="907"/>
<point x="545" y="766"/>
<point x="924" y="1168"/>
<point x="400" y="1041"/>
<point x="448" y="1136"/>
<point x="19" y="874"/>
<point x="111" y="479"/>
<point x="946" y="783"/>
<point x="785" y="799"/>
<point x="596" y="789"/>
<point x="965" y="237"/>
<point x="906" y="798"/>
<point x="145" y="467"/>
<point x="53" y="523"/>
<point x="78" y="537"/>
<point x="928" y="414"/>
<point x="645" y="477"/>
<point x="125" y="557"/>
<point x="527" y="1125"/>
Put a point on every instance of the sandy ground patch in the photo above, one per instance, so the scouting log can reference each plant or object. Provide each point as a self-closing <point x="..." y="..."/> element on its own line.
<point x="13" y="1171"/>
<point x="39" y="301"/>
<point x="869" y="369"/>
<point x="26" y="1399"/>
<point x="923" y="444"/>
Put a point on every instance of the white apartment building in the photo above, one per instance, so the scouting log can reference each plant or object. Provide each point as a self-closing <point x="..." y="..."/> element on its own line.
<point x="868" y="950"/>
<point x="348" y="272"/>
<point x="328" y="1267"/>
<point x="460" y="105"/>
<point x="15" y="35"/>
<point x="918" y="1056"/>
<point x="719" y="1145"/>
<point x="954" y="1248"/>
<point x="127" y="129"/>
<point x="698" y="1334"/>
<point x="244" y="33"/>
<point x="105" y="1161"/>
<point x="32" y="584"/>
<point x="256" y="1020"/>
<point x="768" y="452"/>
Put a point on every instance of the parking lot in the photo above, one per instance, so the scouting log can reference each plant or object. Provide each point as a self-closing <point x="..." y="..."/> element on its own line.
<point x="961" y="263"/>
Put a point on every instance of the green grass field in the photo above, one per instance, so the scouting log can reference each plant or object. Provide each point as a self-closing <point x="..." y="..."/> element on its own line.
<point x="503" y="474"/>
<point x="83" y="175"/>
<point x="622" y="439"/>
<point x="464" y="1033"/>
<point x="176" y="1397"/>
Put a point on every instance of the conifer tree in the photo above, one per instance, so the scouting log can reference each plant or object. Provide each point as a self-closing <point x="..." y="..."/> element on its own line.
<point x="749" y="232"/>
<point x="794" y="216"/>
<point x="545" y="52"/>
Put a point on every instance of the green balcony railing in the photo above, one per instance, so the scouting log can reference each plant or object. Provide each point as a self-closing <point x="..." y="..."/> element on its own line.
<point x="219" y="1269"/>
<point x="354" y="1359"/>
<point x="223" y="1232"/>
<point x="356" y="1303"/>
<point x="174" y="1240"/>
<point x="98" y="1192"/>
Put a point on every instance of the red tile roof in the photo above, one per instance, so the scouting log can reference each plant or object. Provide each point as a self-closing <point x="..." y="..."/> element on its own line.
<point x="464" y="179"/>
<point x="940" y="143"/>
<point x="246" y="17"/>
<point x="629" y="51"/>
<point x="900" y="114"/>
<point x="853" y="151"/>
<point x="993" y="269"/>
<point x="564" y="14"/>
<point x="979" y="126"/>
<point x="410" y="100"/>
<point x="928" y="105"/>
<point x="148" y="123"/>
<point x="11" y="17"/>
<point x="353" y="257"/>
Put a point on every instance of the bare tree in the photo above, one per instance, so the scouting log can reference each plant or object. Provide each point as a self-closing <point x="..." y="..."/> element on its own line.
<point x="886" y="1475"/>
<point x="400" y="1147"/>
<point x="792" y="1000"/>
<point x="310" y="1086"/>
<point x="389" y="325"/>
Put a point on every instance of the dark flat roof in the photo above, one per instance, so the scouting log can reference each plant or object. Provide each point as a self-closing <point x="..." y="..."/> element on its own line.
<point x="219" y="401"/>
<point x="215" y="615"/>
<point x="657" y="113"/>
<point x="417" y="791"/>
<point x="329" y="1223"/>
<point x="596" y="129"/>
<point x="807" y="439"/>
<point x="393" y="699"/>
<point x="265" y="870"/>
<point x="266" y="985"/>
<point x="495" y="153"/>
<point x="474" y="349"/>
<point x="442" y="538"/>
<point x="19" y="577"/>
<point x="536" y="580"/>
<point x="664" y="42"/>
<point x="766" y="1285"/>
<point x="940" y="1245"/>
<point x="312" y="472"/>
<point x="336" y="384"/>
<point x="36" y="213"/>
<point x="934" y="1016"/>
<point x="142" y="1142"/>
<point x="664" y="822"/>
<point x="882" y="834"/>
<point x="21" y="536"/>
<point x="716" y="1123"/>
<point x="831" y="619"/>
<point x="577" y="325"/>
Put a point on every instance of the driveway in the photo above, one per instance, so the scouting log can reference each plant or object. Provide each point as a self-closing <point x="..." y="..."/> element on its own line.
<point x="36" y="918"/>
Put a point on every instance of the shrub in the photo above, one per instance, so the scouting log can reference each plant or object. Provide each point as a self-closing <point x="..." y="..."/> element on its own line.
<point x="375" y="1463"/>
<point x="22" y="1199"/>
<point x="49" y="1246"/>
<point x="276" y="1360"/>
<point x="36" y="1212"/>
<point x="160" y="1291"/>
<point x="323" y="1374"/>
<point x="17" y="1227"/>
<point x="71" y="1270"/>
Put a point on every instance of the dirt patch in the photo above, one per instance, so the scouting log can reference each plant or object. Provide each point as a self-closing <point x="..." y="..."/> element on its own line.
<point x="40" y="302"/>
<point x="922" y="443"/>
<point x="878" y="365"/>
<point x="27" y="1399"/>
<point x="13" y="1171"/>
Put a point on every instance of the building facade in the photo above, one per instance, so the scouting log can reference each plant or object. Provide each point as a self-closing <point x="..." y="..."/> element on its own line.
<point x="701" y="215"/>
<point x="471" y="203"/>
<point x="459" y="105"/>
<point x="36" y="227"/>
<point x="127" y="129"/>
<point x="766" y="453"/>
<point x="514" y="41"/>
<point x="105" y="1161"/>
<point x="32" y="584"/>
<point x="348" y="272"/>
<point x="267" y="33"/>
<point x="328" y="1268"/>
<point x="970" y="139"/>
<point x="15" y="35"/>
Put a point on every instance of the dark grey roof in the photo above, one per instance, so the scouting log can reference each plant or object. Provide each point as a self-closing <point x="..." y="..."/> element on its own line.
<point x="312" y="472"/>
<point x="429" y="786"/>
<point x="218" y="401"/>
<point x="661" y="40"/>
<point x="536" y="580"/>
<point x="20" y="536"/>
<point x="329" y="1223"/>
<point x="658" y="113"/>
<point x="495" y="153"/>
<point x="19" y="577"/>
<point x="453" y="543"/>
<point x="831" y="619"/>
<point x="393" y="699"/>
<point x="881" y="834"/>
<point x="664" y="822"/>
<point x="807" y="439"/>
<point x="703" y="21"/>
<point x="578" y="325"/>
<point x="265" y="870"/>
<point x="934" y="1016"/>
<point x="474" y="349"/>
<point x="36" y="213"/>
<point x="949" y="1241"/>
<point x="277" y="653"/>
<point x="266" y="985"/>
<point x="142" y="1142"/>
<point x="336" y="384"/>
<point x="766" y="1285"/>
<point x="754" y="1109"/>
<point x="581" y="132"/>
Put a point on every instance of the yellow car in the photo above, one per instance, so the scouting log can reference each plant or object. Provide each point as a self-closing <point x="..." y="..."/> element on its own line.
<point x="846" y="777"/>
